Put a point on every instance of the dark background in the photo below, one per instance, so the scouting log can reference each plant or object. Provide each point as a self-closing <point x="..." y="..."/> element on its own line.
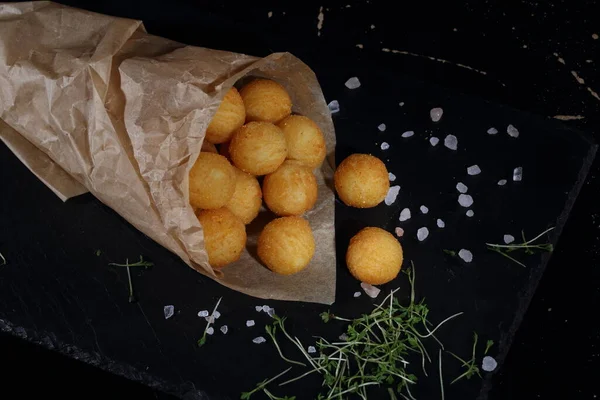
<point x="558" y="345"/>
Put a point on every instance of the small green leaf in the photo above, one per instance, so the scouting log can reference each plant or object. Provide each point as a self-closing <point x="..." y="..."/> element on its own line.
<point x="488" y="345"/>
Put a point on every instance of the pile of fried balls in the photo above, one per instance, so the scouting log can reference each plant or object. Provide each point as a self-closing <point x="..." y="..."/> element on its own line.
<point x="257" y="136"/>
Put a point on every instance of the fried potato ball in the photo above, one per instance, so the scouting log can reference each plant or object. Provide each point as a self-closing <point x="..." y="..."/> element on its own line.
<point x="258" y="148"/>
<point x="247" y="198"/>
<point x="291" y="190"/>
<point x="266" y="100"/>
<point x="224" y="236"/>
<point x="374" y="256"/>
<point x="304" y="139"/>
<point x="228" y="118"/>
<point x="361" y="181"/>
<point x="286" y="245"/>
<point x="212" y="181"/>
<point x="208" y="147"/>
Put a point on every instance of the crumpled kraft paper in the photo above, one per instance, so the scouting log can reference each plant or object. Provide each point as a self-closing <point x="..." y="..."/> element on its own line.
<point x="94" y="103"/>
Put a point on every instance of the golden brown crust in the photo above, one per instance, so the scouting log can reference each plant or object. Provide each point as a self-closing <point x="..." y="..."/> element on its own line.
<point x="304" y="139"/>
<point x="247" y="198"/>
<point x="258" y="148"/>
<point x="224" y="236"/>
<point x="291" y="190"/>
<point x="361" y="181"/>
<point x="374" y="256"/>
<point x="212" y="181"/>
<point x="266" y="100"/>
<point x="228" y="118"/>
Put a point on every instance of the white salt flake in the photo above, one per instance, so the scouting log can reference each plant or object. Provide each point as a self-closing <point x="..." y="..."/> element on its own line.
<point x="266" y="308"/>
<point x="343" y="337"/>
<point x="259" y="340"/>
<point x="440" y="223"/>
<point x="370" y="290"/>
<point x="216" y="314"/>
<point x="250" y="323"/>
<point x="424" y="209"/>
<point x="224" y="329"/>
<point x="461" y="187"/>
<point x="502" y="182"/>
<point x="518" y="174"/>
<point x="512" y="131"/>
<point x="466" y="255"/>
<point x="434" y="141"/>
<point x="334" y="106"/>
<point x="210" y="320"/>
<point x="470" y="213"/>
<point x="270" y="14"/>
<point x="381" y="127"/>
<point x="353" y="83"/>
<point x="271" y="312"/>
<point x="399" y="231"/>
<point x="465" y="200"/>
<point x="408" y="134"/>
<point x="405" y="215"/>
<point x="489" y="364"/>
<point x="391" y="195"/>
<point x="492" y="131"/>
<point x="385" y="146"/>
<point x="203" y="313"/>
<point x="169" y="311"/>
<point x="473" y="170"/>
<point x="391" y="177"/>
<point x="311" y="350"/>
<point x="357" y="294"/>
<point x="401" y="104"/>
<point x="451" y="142"/>
<point x="436" y="114"/>
<point x="508" y="239"/>
<point x="210" y="330"/>
<point x="422" y="233"/>
<point x="258" y="308"/>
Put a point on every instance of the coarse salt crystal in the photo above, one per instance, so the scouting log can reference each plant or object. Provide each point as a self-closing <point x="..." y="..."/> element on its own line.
<point x="391" y="177"/>
<point x="343" y="337"/>
<point x="436" y="114"/>
<point x="258" y="308"/>
<point x="385" y="146"/>
<point x="168" y="311"/>
<point x="422" y="233"/>
<point x="489" y="364"/>
<point x="271" y="312"/>
<point x="311" y="350"/>
<point x="334" y="106"/>
<point x="391" y="195"/>
<point x="451" y="142"/>
<point x="399" y="231"/>
<point x="434" y="141"/>
<point x="353" y="83"/>
<point x="401" y="104"/>
<point x="224" y="329"/>
<point x="424" y="209"/>
<point x="408" y="134"/>
<point x="465" y="200"/>
<point x="440" y="223"/>
<point x="518" y="174"/>
<point x="470" y="213"/>
<point x="210" y="320"/>
<point x="370" y="290"/>
<point x="461" y="187"/>
<point x="210" y="330"/>
<point x="216" y="314"/>
<point x="405" y="215"/>
<point x="474" y="170"/>
<point x="259" y="340"/>
<point x="502" y="182"/>
<point x="466" y="255"/>
<point x="381" y="127"/>
<point x="357" y="294"/>
<point x="492" y="131"/>
<point x="203" y="313"/>
<point x="508" y="239"/>
<point x="250" y="323"/>
<point x="266" y="308"/>
<point x="512" y="131"/>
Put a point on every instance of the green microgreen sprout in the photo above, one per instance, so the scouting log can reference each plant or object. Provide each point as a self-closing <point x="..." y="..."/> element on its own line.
<point x="141" y="263"/>
<point x="262" y="386"/>
<point x="451" y="253"/>
<point x="488" y="345"/>
<point x="441" y="375"/>
<point x="472" y="368"/>
<point x="209" y="322"/>
<point x="98" y="253"/>
<point x="3" y="261"/>
<point x="527" y="247"/>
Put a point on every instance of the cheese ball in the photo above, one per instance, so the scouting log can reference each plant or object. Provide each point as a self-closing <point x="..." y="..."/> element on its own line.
<point x="258" y="148"/>
<point x="224" y="236"/>
<point x="304" y="139"/>
<point x="286" y="245"/>
<point x="291" y="190"/>
<point x="266" y="100"/>
<point x="374" y="256"/>
<point x="212" y="181"/>
<point x="247" y="198"/>
<point x="208" y="147"/>
<point x="228" y="118"/>
<point x="361" y="181"/>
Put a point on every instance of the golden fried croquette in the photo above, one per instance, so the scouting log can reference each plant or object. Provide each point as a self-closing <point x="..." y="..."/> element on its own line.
<point x="212" y="181"/>
<point x="361" y="181"/>
<point x="229" y="117"/>
<point x="266" y="100"/>
<point x="286" y="245"/>
<point x="291" y="190"/>
<point x="247" y="198"/>
<point x="208" y="147"/>
<point x="258" y="148"/>
<point x="374" y="256"/>
<point x="224" y="236"/>
<point x="304" y="139"/>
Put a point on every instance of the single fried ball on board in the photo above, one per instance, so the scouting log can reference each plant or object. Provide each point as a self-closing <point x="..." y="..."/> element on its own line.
<point x="224" y="236"/>
<point x="286" y="245"/>
<point x="258" y="148"/>
<point x="247" y="198"/>
<point x="266" y="100"/>
<point x="208" y="147"/>
<point x="229" y="117"/>
<point x="304" y="139"/>
<point x="374" y="256"/>
<point x="361" y="181"/>
<point x="291" y="190"/>
<point x="212" y="181"/>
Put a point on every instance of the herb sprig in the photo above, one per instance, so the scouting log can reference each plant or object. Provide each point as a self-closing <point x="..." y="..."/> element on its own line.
<point x="141" y="263"/>
<point x="526" y="246"/>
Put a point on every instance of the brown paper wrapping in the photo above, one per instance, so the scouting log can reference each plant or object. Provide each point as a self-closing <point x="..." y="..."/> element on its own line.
<point x="94" y="103"/>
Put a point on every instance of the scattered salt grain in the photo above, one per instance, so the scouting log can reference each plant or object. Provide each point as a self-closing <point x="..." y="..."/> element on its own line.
<point x="385" y="146"/>
<point x="250" y="323"/>
<point x="451" y="142"/>
<point x="461" y="187"/>
<point x="391" y="177"/>
<point x="266" y="308"/>
<point x="258" y="308"/>
<point x="489" y="364"/>
<point x="492" y="131"/>
<point x="370" y="290"/>
<point x="210" y="330"/>
<point x="392" y="194"/>
<point x="381" y="127"/>
<point x="466" y="255"/>
<point x="440" y="223"/>
<point x="357" y="294"/>
<point x="422" y="233"/>
<point x="271" y="312"/>
<point x="474" y="170"/>
<point x="512" y="131"/>
<point x="434" y="141"/>
<point x="518" y="174"/>
<point x="343" y="337"/>
<point x="169" y="311"/>
<point x="311" y="350"/>
<point x="508" y="239"/>
<point x="334" y="106"/>
<point x="203" y="313"/>
<point x="259" y="340"/>
<point x="353" y="83"/>
<point x="436" y="114"/>
<point x="408" y="134"/>
<point x="216" y="314"/>
<point x="502" y="182"/>
<point x="210" y="320"/>
<point x="224" y="329"/>
<point x="470" y="213"/>
<point x="465" y="200"/>
<point x="401" y="104"/>
<point x="399" y="231"/>
<point x="405" y="215"/>
<point x="424" y="209"/>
